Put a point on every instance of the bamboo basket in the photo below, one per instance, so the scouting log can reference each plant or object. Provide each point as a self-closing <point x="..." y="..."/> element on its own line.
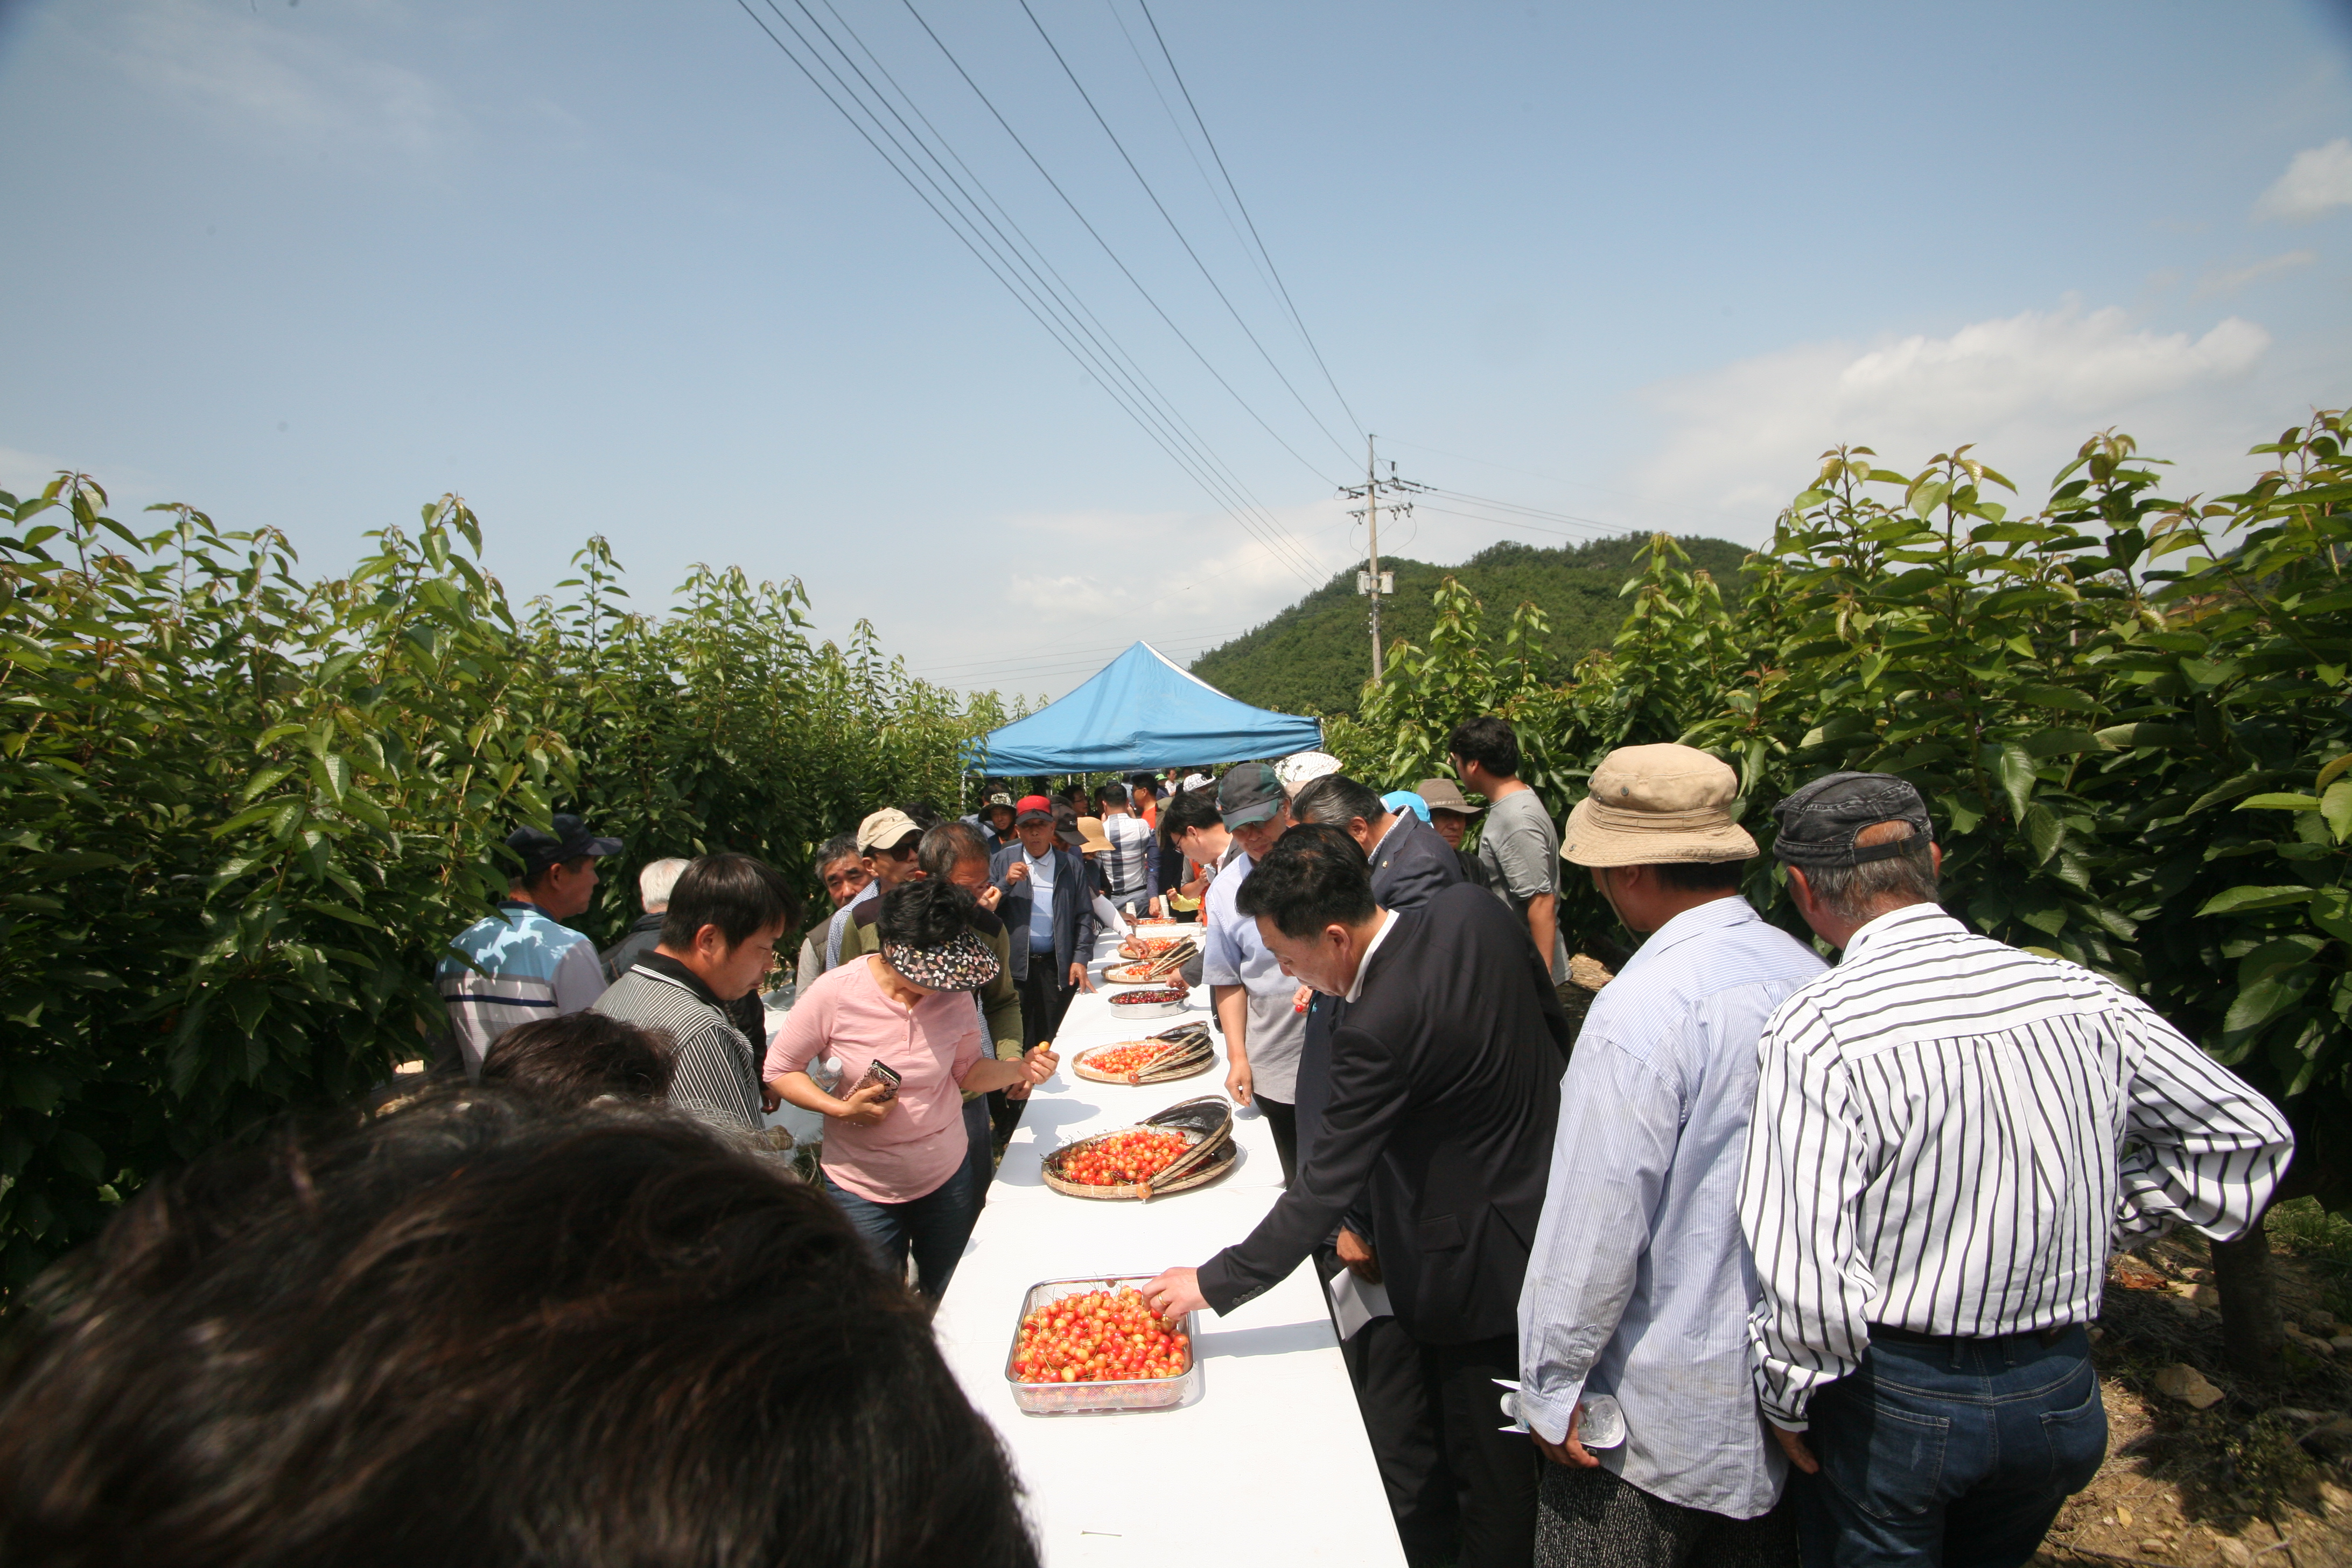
<point x="1207" y="1122"/>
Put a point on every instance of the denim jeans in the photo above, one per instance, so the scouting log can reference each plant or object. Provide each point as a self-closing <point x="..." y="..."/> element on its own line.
<point x="934" y="1225"/>
<point x="1956" y="1453"/>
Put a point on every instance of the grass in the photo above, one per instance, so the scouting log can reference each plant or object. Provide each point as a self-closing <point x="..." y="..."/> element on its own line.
<point x="2322" y="1243"/>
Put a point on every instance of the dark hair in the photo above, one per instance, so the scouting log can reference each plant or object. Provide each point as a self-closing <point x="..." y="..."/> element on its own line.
<point x="840" y="846"/>
<point x="924" y="914"/>
<point x="490" y="1330"/>
<point x="948" y="846"/>
<point x="1700" y="876"/>
<point x="925" y="812"/>
<point x="572" y="1059"/>
<point x="740" y="896"/>
<point x="1185" y="811"/>
<point x="1149" y="780"/>
<point x="1490" y="743"/>
<point x="532" y="881"/>
<point x="1123" y="794"/>
<point x="1335" y="800"/>
<point x="1313" y="877"/>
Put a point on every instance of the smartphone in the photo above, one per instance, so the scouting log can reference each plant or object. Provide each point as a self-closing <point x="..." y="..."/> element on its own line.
<point x="878" y="1072"/>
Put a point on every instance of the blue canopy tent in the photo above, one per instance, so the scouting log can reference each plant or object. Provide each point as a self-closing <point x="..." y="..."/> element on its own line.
<point x="1140" y="711"/>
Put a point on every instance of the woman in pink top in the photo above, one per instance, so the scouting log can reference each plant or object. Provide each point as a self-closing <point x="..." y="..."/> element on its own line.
<point x="897" y="1158"/>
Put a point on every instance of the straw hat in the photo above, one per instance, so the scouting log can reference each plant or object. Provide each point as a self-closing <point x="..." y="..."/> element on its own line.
<point x="1654" y="805"/>
<point x="1092" y="839"/>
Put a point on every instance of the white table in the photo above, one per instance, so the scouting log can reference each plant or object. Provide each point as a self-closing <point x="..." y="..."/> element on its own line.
<point x="1270" y="1464"/>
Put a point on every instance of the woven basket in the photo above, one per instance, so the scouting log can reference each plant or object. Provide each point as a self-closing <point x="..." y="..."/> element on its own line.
<point x="1207" y="1124"/>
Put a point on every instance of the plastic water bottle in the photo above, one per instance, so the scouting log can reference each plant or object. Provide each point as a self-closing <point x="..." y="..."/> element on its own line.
<point x="1602" y="1422"/>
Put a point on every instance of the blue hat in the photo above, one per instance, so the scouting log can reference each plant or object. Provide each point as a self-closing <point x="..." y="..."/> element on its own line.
<point x="1405" y="800"/>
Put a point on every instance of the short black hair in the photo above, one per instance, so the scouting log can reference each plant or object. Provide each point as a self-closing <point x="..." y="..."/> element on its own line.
<point x="580" y="1056"/>
<point x="948" y="846"/>
<point x="1185" y="811"/>
<point x="924" y="811"/>
<point x="532" y="881"/>
<point x="1700" y="876"/>
<point x="511" y="1333"/>
<point x="1335" y="800"/>
<point x="924" y="914"/>
<point x="1314" y="876"/>
<point x="739" y="895"/>
<point x="1123" y="794"/>
<point x="1490" y="743"/>
<point x="839" y="848"/>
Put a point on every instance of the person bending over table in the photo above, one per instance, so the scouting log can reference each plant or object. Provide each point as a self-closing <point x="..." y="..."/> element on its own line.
<point x="896" y="1161"/>
<point x="1446" y="1059"/>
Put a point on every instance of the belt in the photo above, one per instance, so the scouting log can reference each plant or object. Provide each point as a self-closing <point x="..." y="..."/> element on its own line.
<point x="2044" y="1337"/>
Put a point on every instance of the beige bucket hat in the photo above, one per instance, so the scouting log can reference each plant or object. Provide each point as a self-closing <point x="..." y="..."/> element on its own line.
<point x="1654" y="805"/>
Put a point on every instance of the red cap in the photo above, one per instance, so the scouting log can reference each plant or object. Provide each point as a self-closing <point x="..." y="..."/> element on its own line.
<point x="1029" y="803"/>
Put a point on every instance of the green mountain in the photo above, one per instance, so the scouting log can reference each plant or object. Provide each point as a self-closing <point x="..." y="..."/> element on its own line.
<point x="1314" y="656"/>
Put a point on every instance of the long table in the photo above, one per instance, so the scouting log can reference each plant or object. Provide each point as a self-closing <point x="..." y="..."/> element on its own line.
<point x="1270" y="1464"/>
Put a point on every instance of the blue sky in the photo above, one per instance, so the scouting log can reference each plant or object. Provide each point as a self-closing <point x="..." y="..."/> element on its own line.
<point x="622" y="270"/>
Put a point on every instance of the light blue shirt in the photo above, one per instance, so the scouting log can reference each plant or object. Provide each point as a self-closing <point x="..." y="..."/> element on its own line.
<point x="1041" y="902"/>
<point x="1233" y="953"/>
<point x="1639" y="1283"/>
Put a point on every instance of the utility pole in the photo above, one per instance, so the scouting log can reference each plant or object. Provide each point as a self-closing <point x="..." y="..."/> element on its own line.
<point x="1374" y="583"/>
<point x="1372" y="544"/>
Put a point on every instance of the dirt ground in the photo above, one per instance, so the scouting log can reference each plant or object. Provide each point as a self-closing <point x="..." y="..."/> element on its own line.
<point x="2260" y="1476"/>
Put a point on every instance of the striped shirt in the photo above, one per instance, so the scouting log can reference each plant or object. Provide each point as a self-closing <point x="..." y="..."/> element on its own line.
<point x="1948" y="1134"/>
<point x="716" y="1077"/>
<point x="1127" y="865"/>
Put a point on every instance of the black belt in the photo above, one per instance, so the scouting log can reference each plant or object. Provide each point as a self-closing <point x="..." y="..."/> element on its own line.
<point x="2044" y="1337"/>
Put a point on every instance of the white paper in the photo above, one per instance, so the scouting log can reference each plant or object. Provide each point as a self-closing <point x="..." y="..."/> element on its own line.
<point x="1355" y="1303"/>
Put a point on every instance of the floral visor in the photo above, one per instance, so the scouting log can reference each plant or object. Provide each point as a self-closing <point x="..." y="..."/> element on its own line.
<point x="962" y="964"/>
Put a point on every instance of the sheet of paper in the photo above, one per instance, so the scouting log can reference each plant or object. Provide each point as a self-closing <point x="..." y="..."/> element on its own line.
<point x="1355" y="1303"/>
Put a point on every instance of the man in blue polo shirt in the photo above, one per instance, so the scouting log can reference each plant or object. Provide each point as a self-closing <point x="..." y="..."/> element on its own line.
<point x="527" y="965"/>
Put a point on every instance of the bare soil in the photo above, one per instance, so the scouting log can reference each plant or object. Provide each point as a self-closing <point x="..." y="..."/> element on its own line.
<point x="2263" y="1476"/>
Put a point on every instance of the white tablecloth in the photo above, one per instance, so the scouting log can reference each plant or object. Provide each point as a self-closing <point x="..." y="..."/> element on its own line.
<point x="1270" y="1465"/>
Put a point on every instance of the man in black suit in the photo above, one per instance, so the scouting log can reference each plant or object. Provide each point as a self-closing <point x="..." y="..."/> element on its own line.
<point x="1411" y="864"/>
<point x="1445" y="1095"/>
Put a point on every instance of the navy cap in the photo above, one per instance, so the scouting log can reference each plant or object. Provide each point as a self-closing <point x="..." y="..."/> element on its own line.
<point x="570" y="840"/>
<point x="1819" y="822"/>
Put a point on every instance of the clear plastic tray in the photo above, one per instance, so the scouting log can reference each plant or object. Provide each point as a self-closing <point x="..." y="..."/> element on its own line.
<point x="1111" y="1396"/>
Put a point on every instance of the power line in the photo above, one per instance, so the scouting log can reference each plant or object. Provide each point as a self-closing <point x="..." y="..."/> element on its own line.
<point x="1178" y="231"/>
<point x="1110" y="357"/>
<point x="1595" y="530"/>
<point x="1096" y="234"/>
<point x="1011" y="286"/>
<point x="1296" y="317"/>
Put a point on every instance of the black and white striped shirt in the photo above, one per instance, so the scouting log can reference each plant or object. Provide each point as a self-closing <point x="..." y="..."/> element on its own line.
<point x="715" y="1076"/>
<point x="1948" y="1133"/>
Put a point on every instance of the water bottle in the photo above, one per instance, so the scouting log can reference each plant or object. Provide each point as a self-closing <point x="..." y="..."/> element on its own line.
<point x="1602" y="1425"/>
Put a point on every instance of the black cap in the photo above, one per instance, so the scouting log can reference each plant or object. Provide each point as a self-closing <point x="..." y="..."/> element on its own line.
<point x="1819" y="822"/>
<point x="540" y="848"/>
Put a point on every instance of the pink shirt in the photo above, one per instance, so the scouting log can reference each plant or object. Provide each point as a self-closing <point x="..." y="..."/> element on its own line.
<point x="918" y="1145"/>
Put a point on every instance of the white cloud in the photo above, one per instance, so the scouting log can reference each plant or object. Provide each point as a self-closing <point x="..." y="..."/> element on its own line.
<point x="276" y="73"/>
<point x="2026" y="389"/>
<point x="2232" y="282"/>
<point x="2316" y="179"/>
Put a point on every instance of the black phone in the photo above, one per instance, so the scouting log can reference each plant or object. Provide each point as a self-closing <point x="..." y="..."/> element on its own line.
<point x="887" y="1076"/>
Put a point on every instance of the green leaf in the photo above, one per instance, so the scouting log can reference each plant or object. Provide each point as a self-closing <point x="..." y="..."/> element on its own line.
<point x="2043" y="830"/>
<point x="2336" y="806"/>
<point x="2017" y="777"/>
<point x="2065" y="740"/>
<point x="2278" y="803"/>
<point x="80" y="1155"/>
<point x="2277" y="957"/>
<point x="2256" y="1005"/>
<point x="2330" y="772"/>
<point x="2057" y="697"/>
<point x="2124" y="736"/>
<point x="2331" y="912"/>
<point x="2245" y="899"/>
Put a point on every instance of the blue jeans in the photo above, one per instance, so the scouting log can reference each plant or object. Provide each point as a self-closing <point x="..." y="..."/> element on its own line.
<point x="934" y="1225"/>
<point x="1957" y="1453"/>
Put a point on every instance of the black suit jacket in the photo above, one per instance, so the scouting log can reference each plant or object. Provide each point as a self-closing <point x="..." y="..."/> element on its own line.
<point x="1445" y="1096"/>
<point x="1410" y="866"/>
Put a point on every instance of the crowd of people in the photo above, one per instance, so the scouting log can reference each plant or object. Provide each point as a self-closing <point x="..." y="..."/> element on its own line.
<point x="1782" y="1258"/>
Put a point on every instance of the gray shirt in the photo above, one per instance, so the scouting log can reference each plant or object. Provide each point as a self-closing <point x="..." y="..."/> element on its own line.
<point x="1519" y="850"/>
<point x="1233" y="953"/>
